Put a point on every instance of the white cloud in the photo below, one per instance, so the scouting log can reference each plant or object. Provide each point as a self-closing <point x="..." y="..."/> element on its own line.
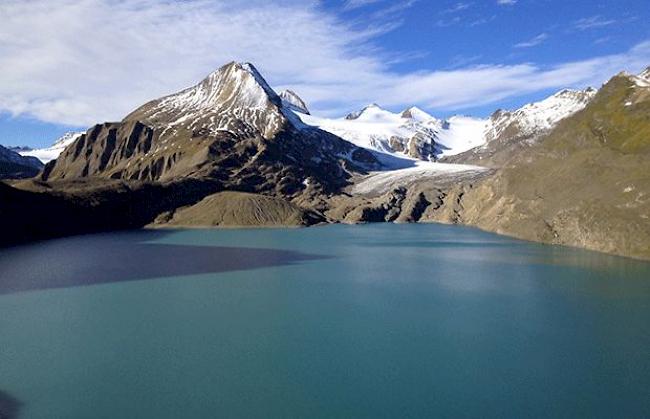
<point x="506" y="2"/>
<point x="533" y="42"/>
<point x="355" y="4"/>
<point x="458" y="7"/>
<point x="593" y="22"/>
<point x="80" y="62"/>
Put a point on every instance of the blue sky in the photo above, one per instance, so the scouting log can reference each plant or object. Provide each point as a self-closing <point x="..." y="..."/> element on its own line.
<point x="64" y="68"/>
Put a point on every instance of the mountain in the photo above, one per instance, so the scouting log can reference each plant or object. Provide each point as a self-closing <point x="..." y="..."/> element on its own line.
<point x="19" y="149"/>
<point x="585" y="181"/>
<point x="573" y="169"/>
<point x="15" y="166"/>
<point x="292" y="101"/>
<point x="415" y="134"/>
<point x="50" y="153"/>
<point x="509" y="131"/>
<point x="412" y="133"/>
<point x="231" y="127"/>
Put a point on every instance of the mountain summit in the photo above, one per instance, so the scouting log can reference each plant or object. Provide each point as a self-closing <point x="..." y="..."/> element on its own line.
<point x="231" y="127"/>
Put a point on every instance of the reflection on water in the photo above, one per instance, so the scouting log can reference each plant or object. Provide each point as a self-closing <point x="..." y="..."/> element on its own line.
<point x="119" y="257"/>
<point x="397" y="321"/>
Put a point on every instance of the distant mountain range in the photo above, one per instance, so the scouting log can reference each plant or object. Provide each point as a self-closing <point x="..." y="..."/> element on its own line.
<point x="15" y="166"/>
<point x="416" y="134"/>
<point x="412" y="133"/>
<point x="572" y="169"/>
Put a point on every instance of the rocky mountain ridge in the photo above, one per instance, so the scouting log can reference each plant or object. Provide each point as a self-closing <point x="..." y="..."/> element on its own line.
<point x="231" y="126"/>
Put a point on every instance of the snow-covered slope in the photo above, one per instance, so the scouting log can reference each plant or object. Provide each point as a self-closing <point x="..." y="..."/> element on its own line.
<point x="234" y="99"/>
<point x="643" y="79"/>
<point x="645" y="74"/>
<point x="48" y="154"/>
<point x="539" y="116"/>
<point x="415" y="134"/>
<point x="412" y="133"/>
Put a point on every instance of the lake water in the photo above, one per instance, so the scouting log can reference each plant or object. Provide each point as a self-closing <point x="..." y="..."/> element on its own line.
<point x="329" y="322"/>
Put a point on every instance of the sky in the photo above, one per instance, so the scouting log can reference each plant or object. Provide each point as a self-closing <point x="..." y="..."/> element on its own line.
<point x="68" y="64"/>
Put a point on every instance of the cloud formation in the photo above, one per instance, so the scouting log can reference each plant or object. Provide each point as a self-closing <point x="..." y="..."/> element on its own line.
<point x="81" y="62"/>
<point x="533" y="42"/>
<point x="355" y="4"/>
<point x="593" y="22"/>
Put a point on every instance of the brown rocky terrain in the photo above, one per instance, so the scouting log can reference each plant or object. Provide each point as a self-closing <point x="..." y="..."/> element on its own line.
<point x="239" y="209"/>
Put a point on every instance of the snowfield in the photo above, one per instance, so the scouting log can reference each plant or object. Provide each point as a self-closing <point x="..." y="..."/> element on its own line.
<point x="378" y="129"/>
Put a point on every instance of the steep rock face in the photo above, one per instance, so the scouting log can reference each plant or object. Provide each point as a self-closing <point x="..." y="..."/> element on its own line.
<point x="15" y="166"/>
<point x="231" y="126"/>
<point x="107" y="148"/>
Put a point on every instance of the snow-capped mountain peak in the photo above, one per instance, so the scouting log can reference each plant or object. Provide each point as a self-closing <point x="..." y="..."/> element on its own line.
<point x="294" y="102"/>
<point x="412" y="133"/>
<point x="371" y="109"/>
<point x="542" y="115"/>
<point x="235" y="98"/>
<point x="416" y="113"/>
<point x="234" y="83"/>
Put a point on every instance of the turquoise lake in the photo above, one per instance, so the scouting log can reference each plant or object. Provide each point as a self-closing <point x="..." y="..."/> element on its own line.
<point x="371" y="321"/>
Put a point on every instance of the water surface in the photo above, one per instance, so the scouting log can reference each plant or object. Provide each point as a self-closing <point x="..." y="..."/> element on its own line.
<point x="339" y="321"/>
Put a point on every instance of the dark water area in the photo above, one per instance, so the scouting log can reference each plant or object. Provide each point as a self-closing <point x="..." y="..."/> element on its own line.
<point x="124" y="256"/>
<point x="9" y="406"/>
<point x="340" y="321"/>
